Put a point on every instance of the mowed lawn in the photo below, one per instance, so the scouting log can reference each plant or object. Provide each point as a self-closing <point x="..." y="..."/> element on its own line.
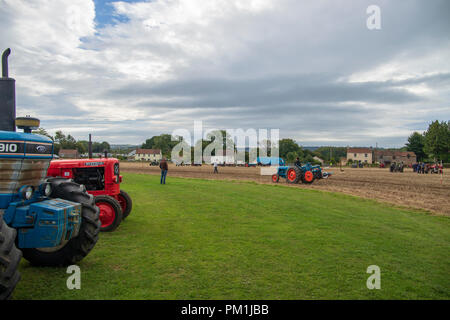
<point x="200" y="239"/>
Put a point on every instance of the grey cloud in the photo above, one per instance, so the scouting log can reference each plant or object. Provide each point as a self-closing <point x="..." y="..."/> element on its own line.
<point x="281" y="68"/>
<point x="218" y="93"/>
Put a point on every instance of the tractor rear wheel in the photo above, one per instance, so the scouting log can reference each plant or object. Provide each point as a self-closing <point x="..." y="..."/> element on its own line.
<point x="110" y="213"/>
<point x="9" y="260"/>
<point x="75" y="249"/>
<point x="293" y="174"/>
<point x="125" y="203"/>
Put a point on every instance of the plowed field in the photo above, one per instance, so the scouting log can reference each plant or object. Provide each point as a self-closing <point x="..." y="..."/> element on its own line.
<point x="430" y="192"/>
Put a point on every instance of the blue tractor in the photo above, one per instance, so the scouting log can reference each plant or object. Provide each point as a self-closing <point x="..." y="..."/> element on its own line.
<point x="305" y="173"/>
<point x="48" y="221"/>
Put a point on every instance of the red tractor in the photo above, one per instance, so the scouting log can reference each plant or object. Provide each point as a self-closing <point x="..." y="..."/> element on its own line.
<point x="102" y="179"/>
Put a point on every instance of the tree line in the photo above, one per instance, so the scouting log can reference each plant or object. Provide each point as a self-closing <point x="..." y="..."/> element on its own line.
<point x="433" y="144"/>
<point x="63" y="141"/>
<point x="289" y="150"/>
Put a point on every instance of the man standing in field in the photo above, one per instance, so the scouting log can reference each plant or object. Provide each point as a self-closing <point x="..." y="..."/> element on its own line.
<point x="216" y="167"/>
<point x="164" y="168"/>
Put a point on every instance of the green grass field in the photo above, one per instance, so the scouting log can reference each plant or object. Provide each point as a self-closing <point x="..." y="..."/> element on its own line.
<point x="199" y="239"/>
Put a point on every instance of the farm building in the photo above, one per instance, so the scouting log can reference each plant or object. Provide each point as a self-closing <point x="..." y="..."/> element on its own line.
<point x="368" y="155"/>
<point x="318" y="159"/>
<point x="365" y="155"/>
<point x="146" y="155"/>
<point x="389" y="156"/>
<point x="68" y="153"/>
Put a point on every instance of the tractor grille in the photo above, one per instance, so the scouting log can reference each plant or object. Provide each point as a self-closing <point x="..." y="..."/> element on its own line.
<point x="15" y="173"/>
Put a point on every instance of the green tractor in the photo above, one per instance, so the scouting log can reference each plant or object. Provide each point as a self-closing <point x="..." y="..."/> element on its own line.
<point x="48" y="221"/>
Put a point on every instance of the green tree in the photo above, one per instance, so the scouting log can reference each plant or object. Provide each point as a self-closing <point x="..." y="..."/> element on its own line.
<point x="42" y="132"/>
<point x="64" y="142"/>
<point x="289" y="146"/>
<point x="416" y="144"/>
<point x="437" y="140"/>
<point x="163" y="142"/>
<point x="291" y="156"/>
<point x="82" y="146"/>
<point x="336" y="153"/>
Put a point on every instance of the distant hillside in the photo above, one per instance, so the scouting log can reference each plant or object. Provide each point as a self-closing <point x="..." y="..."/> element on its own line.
<point x="310" y="148"/>
<point x="123" y="146"/>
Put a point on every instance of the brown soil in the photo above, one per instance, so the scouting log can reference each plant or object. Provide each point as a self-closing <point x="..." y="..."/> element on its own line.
<point x="429" y="191"/>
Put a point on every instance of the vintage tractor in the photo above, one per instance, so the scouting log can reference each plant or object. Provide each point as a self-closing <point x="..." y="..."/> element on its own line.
<point x="294" y="174"/>
<point x="50" y="221"/>
<point x="101" y="177"/>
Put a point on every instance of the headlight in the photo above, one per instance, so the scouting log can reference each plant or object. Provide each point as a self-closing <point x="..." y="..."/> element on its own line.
<point x="27" y="193"/>
<point x="45" y="189"/>
<point x="48" y="190"/>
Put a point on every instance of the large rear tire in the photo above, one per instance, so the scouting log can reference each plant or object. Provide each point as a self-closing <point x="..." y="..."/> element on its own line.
<point x="75" y="249"/>
<point x="110" y="213"/>
<point x="293" y="175"/>
<point x="9" y="260"/>
<point x="125" y="203"/>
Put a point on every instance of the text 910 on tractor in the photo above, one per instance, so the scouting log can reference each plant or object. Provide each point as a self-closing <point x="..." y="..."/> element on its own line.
<point x="101" y="177"/>
<point x="50" y="221"/>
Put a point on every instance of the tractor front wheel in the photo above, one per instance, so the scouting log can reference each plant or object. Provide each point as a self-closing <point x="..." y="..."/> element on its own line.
<point x="73" y="250"/>
<point x="275" y="178"/>
<point x="125" y="203"/>
<point x="110" y="213"/>
<point x="9" y="260"/>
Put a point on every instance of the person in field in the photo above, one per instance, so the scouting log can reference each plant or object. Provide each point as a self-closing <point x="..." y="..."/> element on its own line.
<point x="164" y="168"/>
<point x="216" y="170"/>
<point x="298" y="163"/>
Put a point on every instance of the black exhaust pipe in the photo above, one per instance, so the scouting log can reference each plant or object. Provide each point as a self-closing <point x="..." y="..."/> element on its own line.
<point x="90" y="147"/>
<point x="7" y="97"/>
<point x="5" y="55"/>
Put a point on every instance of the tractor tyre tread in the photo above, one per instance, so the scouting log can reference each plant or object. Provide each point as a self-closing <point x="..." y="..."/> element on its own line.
<point x="10" y="258"/>
<point x="127" y="211"/>
<point x="298" y="175"/>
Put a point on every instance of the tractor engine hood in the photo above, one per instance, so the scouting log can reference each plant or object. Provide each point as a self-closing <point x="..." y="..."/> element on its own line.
<point x="24" y="160"/>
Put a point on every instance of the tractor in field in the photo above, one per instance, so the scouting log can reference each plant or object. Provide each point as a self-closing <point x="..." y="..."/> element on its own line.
<point x="101" y="177"/>
<point x="48" y="221"/>
<point x="294" y="174"/>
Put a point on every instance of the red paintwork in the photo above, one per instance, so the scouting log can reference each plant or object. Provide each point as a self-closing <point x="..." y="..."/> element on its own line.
<point x="64" y="168"/>
<point x="309" y="176"/>
<point x="107" y="213"/>
<point x="291" y="174"/>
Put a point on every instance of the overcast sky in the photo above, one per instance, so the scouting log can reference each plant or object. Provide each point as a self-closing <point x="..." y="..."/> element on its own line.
<point x="125" y="71"/>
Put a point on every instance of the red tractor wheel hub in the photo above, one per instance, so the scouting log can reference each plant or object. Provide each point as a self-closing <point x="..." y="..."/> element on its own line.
<point x="275" y="178"/>
<point x="107" y="214"/>
<point x="309" y="176"/>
